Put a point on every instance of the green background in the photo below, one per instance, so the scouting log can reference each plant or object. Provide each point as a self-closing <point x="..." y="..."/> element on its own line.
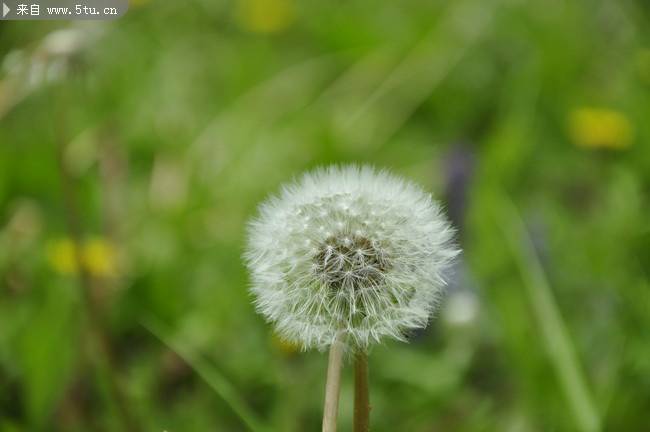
<point x="159" y="134"/>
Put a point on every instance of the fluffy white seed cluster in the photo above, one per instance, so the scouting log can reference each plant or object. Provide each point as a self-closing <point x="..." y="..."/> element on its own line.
<point x="348" y="252"/>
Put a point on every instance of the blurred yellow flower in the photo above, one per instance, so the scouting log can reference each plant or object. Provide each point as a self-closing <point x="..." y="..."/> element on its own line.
<point x="137" y="3"/>
<point x="98" y="256"/>
<point x="284" y="346"/>
<point x="265" y="16"/>
<point x="61" y="256"/>
<point x="600" y="128"/>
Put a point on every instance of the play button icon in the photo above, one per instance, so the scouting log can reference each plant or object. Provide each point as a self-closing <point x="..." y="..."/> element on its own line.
<point x="5" y="10"/>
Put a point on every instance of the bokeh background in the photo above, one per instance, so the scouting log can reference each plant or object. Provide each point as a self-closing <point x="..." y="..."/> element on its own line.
<point x="133" y="152"/>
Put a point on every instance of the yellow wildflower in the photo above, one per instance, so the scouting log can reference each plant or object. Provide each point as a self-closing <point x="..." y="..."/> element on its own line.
<point x="137" y="3"/>
<point x="284" y="346"/>
<point x="98" y="256"/>
<point x="265" y="16"/>
<point x="600" y="128"/>
<point x="61" y="256"/>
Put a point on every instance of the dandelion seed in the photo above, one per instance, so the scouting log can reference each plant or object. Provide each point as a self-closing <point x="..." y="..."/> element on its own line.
<point x="380" y="256"/>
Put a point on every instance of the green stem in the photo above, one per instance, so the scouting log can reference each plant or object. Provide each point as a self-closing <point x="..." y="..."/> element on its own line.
<point x="361" y="398"/>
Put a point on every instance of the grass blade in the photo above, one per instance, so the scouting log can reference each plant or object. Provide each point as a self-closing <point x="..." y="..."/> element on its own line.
<point x="555" y="335"/>
<point x="209" y="374"/>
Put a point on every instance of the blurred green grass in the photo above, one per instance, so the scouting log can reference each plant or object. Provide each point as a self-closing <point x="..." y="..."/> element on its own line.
<point x="175" y="121"/>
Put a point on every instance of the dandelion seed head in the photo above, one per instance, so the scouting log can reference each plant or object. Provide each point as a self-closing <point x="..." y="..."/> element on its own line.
<point x="370" y="263"/>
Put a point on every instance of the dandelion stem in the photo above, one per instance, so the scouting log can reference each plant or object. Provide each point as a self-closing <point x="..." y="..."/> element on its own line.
<point x="361" y="398"/>
<point x="333" y="386"/>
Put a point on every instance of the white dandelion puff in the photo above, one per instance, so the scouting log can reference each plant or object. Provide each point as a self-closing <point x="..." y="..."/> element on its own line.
<point x="349" y="253"/>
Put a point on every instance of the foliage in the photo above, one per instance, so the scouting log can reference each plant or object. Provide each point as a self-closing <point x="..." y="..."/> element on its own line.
<point x="132" y="153"/>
